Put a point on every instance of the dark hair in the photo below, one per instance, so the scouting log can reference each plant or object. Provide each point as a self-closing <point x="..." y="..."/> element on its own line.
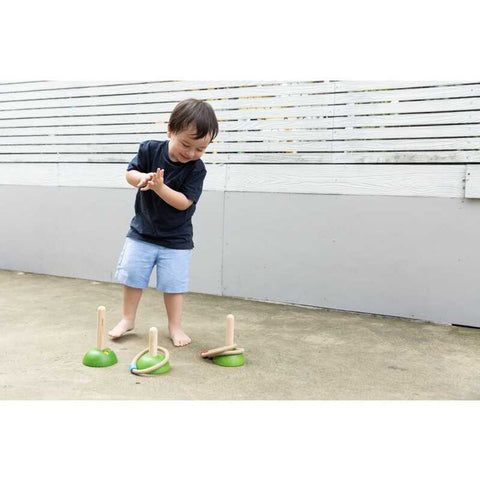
<point x="194" y="112"/>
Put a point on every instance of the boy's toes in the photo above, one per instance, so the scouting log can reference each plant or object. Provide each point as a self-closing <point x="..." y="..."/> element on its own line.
<point x="120" y="329"/>
<point x="179" y="338"/>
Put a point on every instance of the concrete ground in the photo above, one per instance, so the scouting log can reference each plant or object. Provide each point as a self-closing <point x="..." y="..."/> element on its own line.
<point x="292" y="353"/>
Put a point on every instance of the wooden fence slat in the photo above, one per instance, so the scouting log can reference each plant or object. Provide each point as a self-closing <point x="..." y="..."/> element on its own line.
<point x="233" y="147"/>
<point x="408" y="180"/>
<point x="290" y="94"/>
<point x="222" y="89"/>
<point x="415" y="157"/>
<point x="162" y="111"/>
<point x="264" y="135"/>
<point x="399" y="180"/>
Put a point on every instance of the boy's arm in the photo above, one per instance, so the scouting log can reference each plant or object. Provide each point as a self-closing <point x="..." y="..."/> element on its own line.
<point x="175" y="199"/>
<point x="137" y="179"/>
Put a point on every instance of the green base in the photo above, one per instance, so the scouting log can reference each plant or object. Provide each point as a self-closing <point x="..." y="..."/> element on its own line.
<point x="100" y="358"/>
<point x="230" y="360"/>
<point x="146" y="361"/>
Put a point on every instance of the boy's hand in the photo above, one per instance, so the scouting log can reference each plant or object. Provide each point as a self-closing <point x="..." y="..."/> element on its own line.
<point x="154" y="182"/>
<point x="145" y="178"/>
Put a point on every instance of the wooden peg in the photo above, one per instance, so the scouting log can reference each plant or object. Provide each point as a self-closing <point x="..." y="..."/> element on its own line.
<point x="230" y="330"/>
<point x="153" y="342"/>
<point x="100" y="326"/>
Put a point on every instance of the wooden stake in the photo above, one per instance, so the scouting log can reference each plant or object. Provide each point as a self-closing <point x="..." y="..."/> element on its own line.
<point x="100" y="326"/>
<point x="153" y="342"/>
<point x="230" y="330"/>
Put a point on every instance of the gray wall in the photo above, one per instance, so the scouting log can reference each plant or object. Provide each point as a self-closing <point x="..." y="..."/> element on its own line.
<point x="400" y="256"/>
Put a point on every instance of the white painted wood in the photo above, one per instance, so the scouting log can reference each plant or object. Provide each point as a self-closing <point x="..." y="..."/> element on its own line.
<point x="372" y="85"/>
<point x="52" y="89"/>
<point x="130" y="148"/>
<point x="431" y="157"/>
<point x="420" y="106"/>
<point x="112" y="95"/>
<point x="349" y="145"/>
<point x="305" y="93"/>
<point x="259" y="147"/>
<point x="154" y="102"/>
<point x="87" y="175"/>
<point x="29" y="174"/>
<point x="49" y="89"/>
<point x="405" y="132"/>
<point x="396" y="180"/>
<point x="42" y="85"/>
<point x="442" y="118"/>
<point x="38" y="121"/>
<point x="410" y="94"/>
<point x="306" y="127"/>
<point x="293" y="121"/>
<point x="246" y="110"/>
<point x="53" y="157"/>
<point x="279" y="136"/>
<point x="400" y="180"/>
<point x="413" y="157"/>
<point x="472" y="181"/>
<point x="150" y="122"/>
<point x="147" y="129"/>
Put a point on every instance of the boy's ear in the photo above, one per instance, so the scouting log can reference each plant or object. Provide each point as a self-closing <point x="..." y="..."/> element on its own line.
<point x="169" y="131"/>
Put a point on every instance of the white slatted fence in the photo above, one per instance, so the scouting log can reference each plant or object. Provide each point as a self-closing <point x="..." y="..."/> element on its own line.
<point x="419" y="128"/>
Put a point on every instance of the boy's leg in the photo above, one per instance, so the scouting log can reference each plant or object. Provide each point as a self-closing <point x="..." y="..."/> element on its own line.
<point x="131" y="299"/>
<point x="174" y="306"/>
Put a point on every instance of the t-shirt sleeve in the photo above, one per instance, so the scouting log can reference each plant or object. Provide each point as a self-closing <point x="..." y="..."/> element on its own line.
<point x="140" y="161"/>
<point x="193" y="186"/>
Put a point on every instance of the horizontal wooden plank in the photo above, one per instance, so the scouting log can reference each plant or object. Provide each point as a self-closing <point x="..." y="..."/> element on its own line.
<point x="388" y="145"/>
<point x="162" y="111"/>
<point x="458" y="156"/>
<point x="366" y="133"/>
<point x="87" y="175"/>
<point x="342" y="86"/>
<point x="265" y="135"/>
<point x="429" y="157"/>
<point x="399" y="180"/>
<point x="408" y="119"/>
<point x="126" y="124"/>
<point x="413" y="119"/>
<point x="52" y="89"/>
<point x="137" y="104"/>
<point x="62" y="121"/>
<point x="396" y="180"/>
<point x="147" y="102"/>
<point x="292" y="94"/>
<point x="422" y="106"/>
<point x="46" y="85"/>
<point x="429" y="93"/>
<point x="148" y="94"/>
<point x="76" y="89"/>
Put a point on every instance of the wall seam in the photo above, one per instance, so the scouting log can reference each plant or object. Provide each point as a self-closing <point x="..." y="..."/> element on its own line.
<point x="222" y="289"/>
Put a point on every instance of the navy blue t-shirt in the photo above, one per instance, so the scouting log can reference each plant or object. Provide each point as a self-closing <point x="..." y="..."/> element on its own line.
<point x="156" y="221"/>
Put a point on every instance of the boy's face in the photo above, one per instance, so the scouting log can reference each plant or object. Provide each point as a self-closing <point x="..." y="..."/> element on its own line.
<point x="184" y="147"/>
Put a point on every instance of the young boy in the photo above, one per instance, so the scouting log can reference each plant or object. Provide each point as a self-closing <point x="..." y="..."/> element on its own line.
<point x="169" y="176"/>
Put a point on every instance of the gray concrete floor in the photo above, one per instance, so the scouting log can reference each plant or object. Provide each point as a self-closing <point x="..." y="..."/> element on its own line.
<point x="292" y="353"/>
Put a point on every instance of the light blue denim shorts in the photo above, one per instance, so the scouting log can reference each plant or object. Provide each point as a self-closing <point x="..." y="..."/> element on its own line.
<point x="138" y="258"/>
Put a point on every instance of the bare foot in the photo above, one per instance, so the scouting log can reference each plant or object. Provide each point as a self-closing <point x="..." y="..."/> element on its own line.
<point x="179" y="338"/>
<point x="122" y="327"/>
